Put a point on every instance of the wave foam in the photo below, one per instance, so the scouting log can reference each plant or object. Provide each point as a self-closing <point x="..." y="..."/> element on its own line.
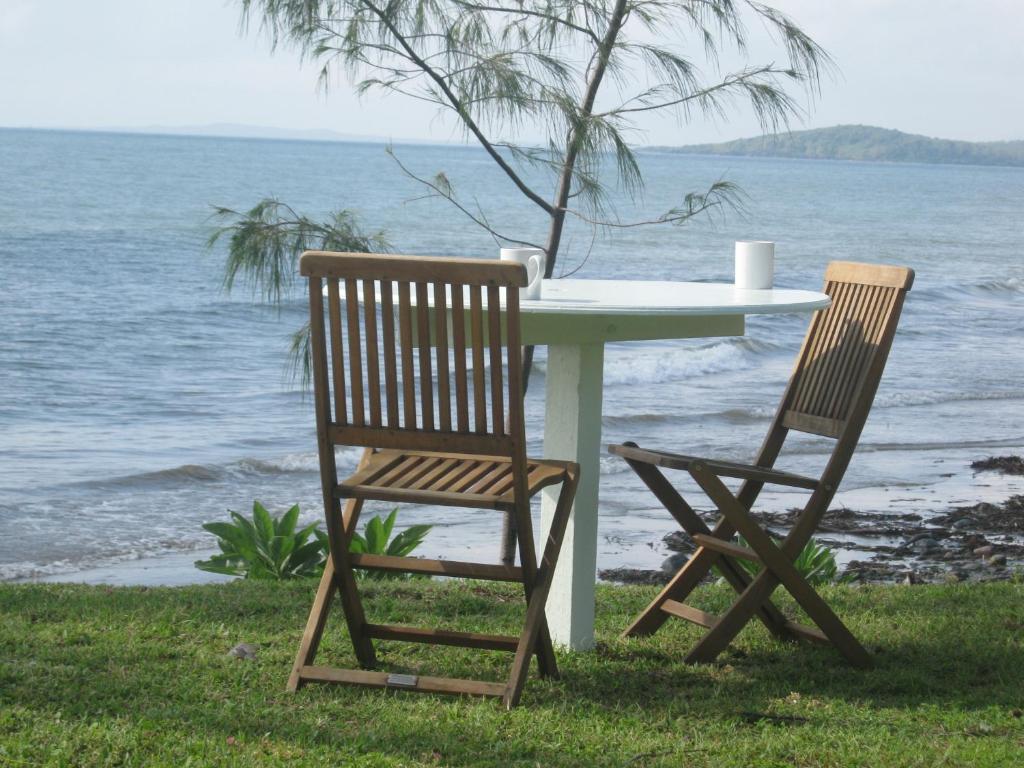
<point x="1005" y="287"/>
<point x="670" y="364"/>
<point x="28" y="570"/>
<point x="904" y="399"/>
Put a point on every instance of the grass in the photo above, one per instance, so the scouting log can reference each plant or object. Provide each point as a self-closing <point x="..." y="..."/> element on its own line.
<point x="97" y="676"/>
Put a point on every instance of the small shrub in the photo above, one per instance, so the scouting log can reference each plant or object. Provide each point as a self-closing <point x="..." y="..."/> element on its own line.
<point x="269" y="547"/>
<point x="816" y="563"/>
<point x="265" y="547"/>
<point x="377" y="541"/>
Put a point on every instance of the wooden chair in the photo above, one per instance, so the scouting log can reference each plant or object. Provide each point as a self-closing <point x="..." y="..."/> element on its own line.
<point x="829" y="394"/>
<point x="421" y="449"/>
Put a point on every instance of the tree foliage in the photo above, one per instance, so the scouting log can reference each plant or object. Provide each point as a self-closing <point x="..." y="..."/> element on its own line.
<point x="265" y="242"/>
<point x="264" y="245"/>
<point x="577" y="72"/>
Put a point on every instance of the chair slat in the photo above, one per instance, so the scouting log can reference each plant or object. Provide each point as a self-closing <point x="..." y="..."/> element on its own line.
<point x="423" y="337"/>
<point x="372" y="352"/>
<point x="813" y="374"/>
<point x="354" y="352"/>
<point x="444" y="403"/>
<point x="410" y="478"/>
<point x="494" y="339"/>
<point x="854" y="340"/>
<point x="470" y="477"/>
<point x="885" y="304"/>
<point x="428" y="479"/>
<point x="442" y="637"/>
<point x="515" y="367"/>
<point x="387" y="317"/>
<point x="489" y="478"/>
<point x="459" y="351"/>
<point x="502" y="485"/>
<point x="405" y="342"/>
<point x="483" y="571"/>
<point x="398" y="470"/>
<point x="411" y="268"/>
<point x="477" y="340"/>
<point x="453" y="475"/>
<point x="691" y="614"/>
<point x="854" y="345"/>
<point x="447" y="685"/>
<point x="825" y="339"/>
<point x="337" y="356"/>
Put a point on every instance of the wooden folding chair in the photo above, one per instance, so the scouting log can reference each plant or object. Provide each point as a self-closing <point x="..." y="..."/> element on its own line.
<point x="419" y="449"/>
<point x="829" y="394"/>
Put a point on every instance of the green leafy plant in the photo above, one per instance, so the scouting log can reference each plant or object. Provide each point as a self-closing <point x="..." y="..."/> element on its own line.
<point x="269" y="547"/>
<point x="265" y="547"/>
<point x="377" y="540"/>
<point x="816" y="563"/>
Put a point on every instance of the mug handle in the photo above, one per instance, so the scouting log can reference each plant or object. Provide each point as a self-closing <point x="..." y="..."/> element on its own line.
<point x="533" y="271"/>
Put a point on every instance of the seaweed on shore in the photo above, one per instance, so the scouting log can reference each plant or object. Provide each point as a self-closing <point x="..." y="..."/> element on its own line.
<point x="1007" y="517"/>
<point x="953" y="546"/>
<point x="1008" y="465"/>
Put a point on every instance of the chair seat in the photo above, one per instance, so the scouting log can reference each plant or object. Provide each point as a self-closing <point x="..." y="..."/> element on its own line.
<point x="447" y="479"/>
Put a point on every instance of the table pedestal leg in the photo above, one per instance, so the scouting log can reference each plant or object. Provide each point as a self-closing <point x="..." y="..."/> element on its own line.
<point x="572" y="430"/>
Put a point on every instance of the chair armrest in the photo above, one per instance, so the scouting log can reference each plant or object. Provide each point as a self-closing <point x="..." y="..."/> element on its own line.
<point x="716" y="466"/>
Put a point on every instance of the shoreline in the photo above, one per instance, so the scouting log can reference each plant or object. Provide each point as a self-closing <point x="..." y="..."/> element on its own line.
<point x="170" y="570"/>
<point x="882" y="533"/>
<point x="967" y="527"/>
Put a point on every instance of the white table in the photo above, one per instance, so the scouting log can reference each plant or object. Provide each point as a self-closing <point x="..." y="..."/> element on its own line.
<point x="574" y="319"/>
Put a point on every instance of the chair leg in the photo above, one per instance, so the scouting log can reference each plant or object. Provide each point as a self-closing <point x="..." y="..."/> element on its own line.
<point x="535" y="619"/>
<point x="779" y="566"/>
<point x="717" y="638"/>
<point x="681" y="585"/>
<point x="547" y="664"/>
<point x="695" y="569"/>
<point x="339" y="535"/>
<point x="310" y="642"/>
<point x="333" y="578"/>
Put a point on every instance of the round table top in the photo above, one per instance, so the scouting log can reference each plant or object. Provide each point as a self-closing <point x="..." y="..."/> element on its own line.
<point x="662" y="297"/>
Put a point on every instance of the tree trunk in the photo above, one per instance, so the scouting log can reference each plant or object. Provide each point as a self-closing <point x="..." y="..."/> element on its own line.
<point x="508" y="530"/>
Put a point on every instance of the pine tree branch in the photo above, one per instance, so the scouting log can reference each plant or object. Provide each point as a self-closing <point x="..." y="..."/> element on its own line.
<point x="719" y="194"/>
<point x="537" y="14"/>
<point x="731" y="82"/>
<point x="446" y="194"/>
<point x="459" y="108"/>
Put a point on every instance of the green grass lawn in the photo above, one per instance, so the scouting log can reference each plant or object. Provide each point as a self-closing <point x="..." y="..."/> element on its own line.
<point x="103" y="676"/>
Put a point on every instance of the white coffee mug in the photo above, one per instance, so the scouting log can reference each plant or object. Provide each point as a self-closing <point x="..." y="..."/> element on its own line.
<point x="534" y="259"/>
<point x="755" y="264"/>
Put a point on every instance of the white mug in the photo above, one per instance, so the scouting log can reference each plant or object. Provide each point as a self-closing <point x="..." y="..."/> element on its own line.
<point x="755" y="264"/>
<point x="535" y="260"/>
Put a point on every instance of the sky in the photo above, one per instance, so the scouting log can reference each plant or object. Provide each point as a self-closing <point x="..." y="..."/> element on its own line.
<point x="941" y="68"/>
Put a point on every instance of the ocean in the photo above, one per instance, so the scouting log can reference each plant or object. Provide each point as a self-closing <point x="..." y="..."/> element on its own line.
<point x="139" y="400"/>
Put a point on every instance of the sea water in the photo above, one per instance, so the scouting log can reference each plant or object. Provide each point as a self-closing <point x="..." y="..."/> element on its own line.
<point x="139" y="400"/>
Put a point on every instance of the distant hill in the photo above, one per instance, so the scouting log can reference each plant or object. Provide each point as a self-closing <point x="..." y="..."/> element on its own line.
<point x="865" y="142"/>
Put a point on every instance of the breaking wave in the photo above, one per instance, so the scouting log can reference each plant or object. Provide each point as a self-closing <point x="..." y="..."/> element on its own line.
<point x="670" y="364"/>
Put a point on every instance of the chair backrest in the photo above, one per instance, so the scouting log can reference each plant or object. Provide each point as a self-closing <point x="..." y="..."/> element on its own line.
<point x="414" y="352"/>
<point x="846" y="347"/>
<point x="842" y="359"/>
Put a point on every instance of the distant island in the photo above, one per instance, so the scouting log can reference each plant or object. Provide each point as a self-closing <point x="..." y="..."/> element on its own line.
<point x="865" y="142"/>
